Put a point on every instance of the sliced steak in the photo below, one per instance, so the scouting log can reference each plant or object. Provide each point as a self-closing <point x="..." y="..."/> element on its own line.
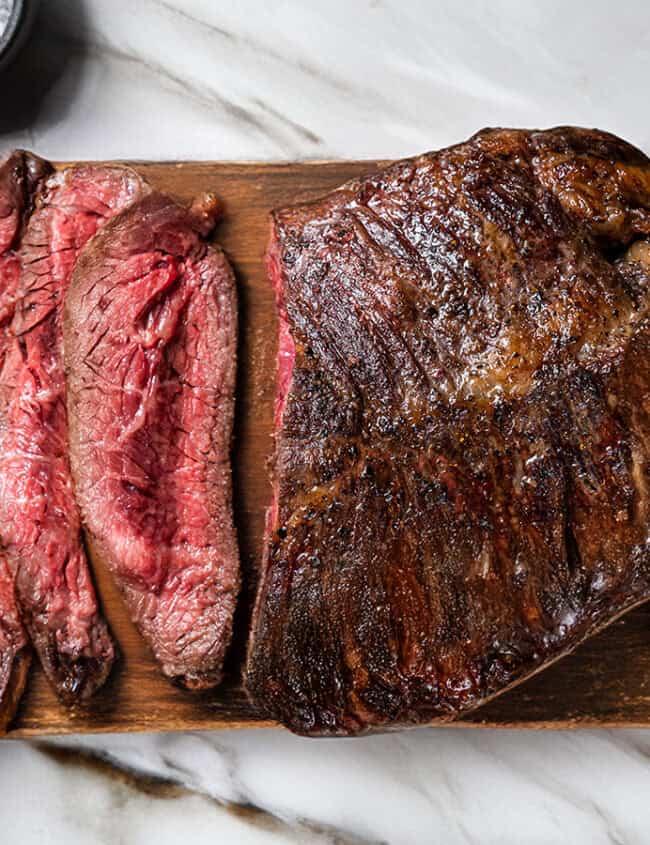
<point x="20" y="176"/>
<point x="39" y="522"/>
<point x="15" y="651"/>
<point x="464" y="428"/>
<point x="150" y="339"/>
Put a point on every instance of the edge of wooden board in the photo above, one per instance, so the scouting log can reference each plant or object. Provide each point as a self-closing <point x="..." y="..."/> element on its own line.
<point x="578" y="724"/>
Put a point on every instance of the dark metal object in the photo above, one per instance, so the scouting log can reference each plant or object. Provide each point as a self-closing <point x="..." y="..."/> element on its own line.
<point x="18" y="28"/>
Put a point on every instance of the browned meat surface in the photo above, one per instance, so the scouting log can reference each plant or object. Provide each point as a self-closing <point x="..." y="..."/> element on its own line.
<point x="15" y="651"/>
<point x="20" y="175"/>
<point x="464" y="425"/>
<point x="150" y="338"/>
<point x="39" y="522"/>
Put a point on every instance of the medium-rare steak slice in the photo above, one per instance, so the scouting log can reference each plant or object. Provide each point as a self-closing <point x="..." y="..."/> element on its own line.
<point x="20" y="176"/>
<point x="150" y="340"/>
<point x="464" y="425"/>
<point x="39" y="522"/>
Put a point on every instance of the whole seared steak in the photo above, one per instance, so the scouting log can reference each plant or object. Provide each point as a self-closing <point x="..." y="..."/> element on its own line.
<point x="464" y="423"/>
<point x="39" y="521"/>
<point x="150" y="338"/>
<point x="20" y="176"/>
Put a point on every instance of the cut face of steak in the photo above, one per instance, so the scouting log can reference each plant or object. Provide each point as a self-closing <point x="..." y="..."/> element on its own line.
<point x="39" y="522"/>
<point x="150" y="338"/>
<point x="464" y="425"/>
<point x="20" y="174"/>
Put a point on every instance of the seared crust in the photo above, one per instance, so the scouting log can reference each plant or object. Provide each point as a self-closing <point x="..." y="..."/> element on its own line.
<point x="12" y="685"/>
<point x="462" y="461"/>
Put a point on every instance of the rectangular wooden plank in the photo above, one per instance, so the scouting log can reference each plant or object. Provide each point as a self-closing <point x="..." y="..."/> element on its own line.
<point x="604" y="683"/>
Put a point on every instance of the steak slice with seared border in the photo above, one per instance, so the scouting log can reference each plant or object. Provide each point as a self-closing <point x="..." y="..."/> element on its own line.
<point x="39" y="521"/>
<point x="150" y="340"/>
<point x="463" y="428"/>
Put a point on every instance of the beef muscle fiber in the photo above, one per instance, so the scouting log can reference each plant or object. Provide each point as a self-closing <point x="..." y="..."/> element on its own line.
<point x="150" y="339"/>
<point x="39" y="522"/>
<point x="20" y="175"/>
<point x="464" y="427"/>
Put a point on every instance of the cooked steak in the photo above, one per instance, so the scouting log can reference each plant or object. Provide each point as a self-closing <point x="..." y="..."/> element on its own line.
<point x="15" y="651"/>
<point x="464" y="428"/>
<point x="20" y="175"/>
<point x="39" y="522"/>
<point x="150" y="340"/>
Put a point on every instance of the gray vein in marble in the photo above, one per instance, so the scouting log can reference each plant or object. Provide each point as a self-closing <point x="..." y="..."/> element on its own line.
<point x="202" y="94"/>
<point x="630" y="745"/>
<point x="104" y="765"/>
<point x="258" y="47"/>
<point x="612" y="834"/>
<point x="303" y="131"/>
<point x="205" y="25"/>
<point x="371" y="97"/>
<point x="247" y="799"/>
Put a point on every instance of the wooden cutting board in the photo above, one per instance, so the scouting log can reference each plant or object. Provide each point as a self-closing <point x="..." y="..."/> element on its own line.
<point x="604" y="683"/>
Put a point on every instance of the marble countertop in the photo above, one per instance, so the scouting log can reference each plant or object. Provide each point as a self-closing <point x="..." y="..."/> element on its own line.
<point x="336" y="78"/>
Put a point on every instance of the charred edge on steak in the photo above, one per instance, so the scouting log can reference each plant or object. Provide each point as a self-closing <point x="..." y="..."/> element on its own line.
<point x="461" y="480"/>
<point x="150" y="336"/>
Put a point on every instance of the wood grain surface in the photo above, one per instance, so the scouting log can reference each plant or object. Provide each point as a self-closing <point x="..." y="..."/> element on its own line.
<point x="604" y="683"/>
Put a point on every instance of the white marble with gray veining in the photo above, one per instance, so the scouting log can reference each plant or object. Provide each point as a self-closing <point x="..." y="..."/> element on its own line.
<point x="334" y="78"/>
